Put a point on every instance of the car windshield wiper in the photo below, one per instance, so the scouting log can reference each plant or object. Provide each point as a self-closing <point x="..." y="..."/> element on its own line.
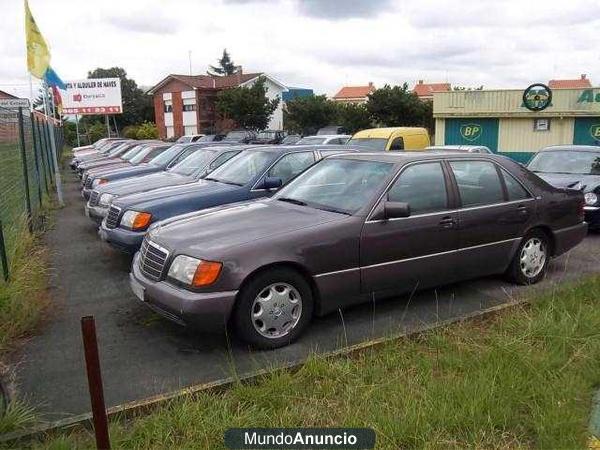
<point x="292" y="200"/>
<point x="333" y="210"/>
<point x="224" y="181"/>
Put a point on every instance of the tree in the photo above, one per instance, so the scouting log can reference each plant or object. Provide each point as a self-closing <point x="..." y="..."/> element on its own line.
<point x="147" y="130"/>
<point x="305" y="115"/>
<point x="398" y="106"/>
<point x="249" y="107"/>
<point x="353" y="117"/>
<point x="137" y="106"/>
<point x="226" y="66"/>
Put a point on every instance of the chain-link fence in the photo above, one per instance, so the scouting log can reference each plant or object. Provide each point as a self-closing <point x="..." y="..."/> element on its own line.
<point x="26" y="174"/>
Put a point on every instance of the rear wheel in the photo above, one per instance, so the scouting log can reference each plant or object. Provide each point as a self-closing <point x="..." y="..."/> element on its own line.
<point x="531" y="260"/>
<point x="274" y="308"/>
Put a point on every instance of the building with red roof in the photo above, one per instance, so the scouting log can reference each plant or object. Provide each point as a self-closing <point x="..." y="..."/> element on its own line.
<point x="354" y="94"/>
<point x="578" y="83"/>
<point x="185" y="104"/>
<point x="425" y="90"/>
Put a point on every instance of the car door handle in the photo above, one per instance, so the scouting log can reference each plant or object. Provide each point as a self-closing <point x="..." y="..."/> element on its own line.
<point x="447" y="222"/>
<point x="522" y="209"/>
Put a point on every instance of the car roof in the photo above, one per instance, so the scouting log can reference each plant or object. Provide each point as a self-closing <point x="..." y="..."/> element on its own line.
<point x="402" y="157"/>
<point x="579" y="148"/>
<point x="465" y="148"/>
<point x="386" y="132"/>
<point x="327" y="136"/>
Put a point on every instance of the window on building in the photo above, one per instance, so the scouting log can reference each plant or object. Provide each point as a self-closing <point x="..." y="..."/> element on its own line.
<point x="541" y="124"/>
<point x="191" y="107"/>
<point x="168" y="106"/>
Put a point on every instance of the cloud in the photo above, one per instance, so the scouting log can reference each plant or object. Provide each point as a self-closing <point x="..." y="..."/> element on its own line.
<point x="144" y="23"/>
<point x="343" y="9"/>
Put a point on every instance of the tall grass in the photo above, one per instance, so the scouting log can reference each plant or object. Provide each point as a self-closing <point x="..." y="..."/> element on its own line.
<point x="523" y="378"/>
<point x="23" y="298"/>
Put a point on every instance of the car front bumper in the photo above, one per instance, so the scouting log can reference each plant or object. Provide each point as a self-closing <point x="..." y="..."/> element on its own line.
<point x="85" y="193"/>
<point x="121" y="239"/>
<point x="204" y="311"/>
<point x="96" y="213"/>
<point x="592" y="216"/>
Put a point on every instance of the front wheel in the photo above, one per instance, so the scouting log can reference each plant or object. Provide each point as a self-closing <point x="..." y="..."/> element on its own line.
<point x="273" y="309"/>
<point x="531" y="260"/>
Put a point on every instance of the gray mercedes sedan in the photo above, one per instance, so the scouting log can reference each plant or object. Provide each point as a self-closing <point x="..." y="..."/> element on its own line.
<point x="350" y="228"/>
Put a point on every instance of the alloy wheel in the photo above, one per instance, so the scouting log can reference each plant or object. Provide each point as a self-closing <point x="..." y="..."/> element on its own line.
<point x="276" y="310"/>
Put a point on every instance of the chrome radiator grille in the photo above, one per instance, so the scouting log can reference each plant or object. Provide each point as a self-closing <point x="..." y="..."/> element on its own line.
<point x="152" y="260"/>
<point x="112" y="218"/>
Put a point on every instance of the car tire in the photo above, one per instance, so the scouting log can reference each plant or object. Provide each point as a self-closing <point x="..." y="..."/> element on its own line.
<point x="531" y="259"/>
<point x="283" y="298"/>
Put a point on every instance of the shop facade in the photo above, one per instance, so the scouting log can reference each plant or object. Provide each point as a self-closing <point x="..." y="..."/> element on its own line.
<point x="500" y="120"/>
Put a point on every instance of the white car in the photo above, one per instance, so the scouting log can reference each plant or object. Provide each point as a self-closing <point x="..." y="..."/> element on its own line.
<point x="325" y="139"/>
<point x="189" y="138"/>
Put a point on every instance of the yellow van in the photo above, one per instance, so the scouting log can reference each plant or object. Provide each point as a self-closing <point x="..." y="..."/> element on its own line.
<point x="392" y="139"/>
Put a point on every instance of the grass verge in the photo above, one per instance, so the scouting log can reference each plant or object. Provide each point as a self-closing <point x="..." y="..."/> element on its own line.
<point x="23" y="302"/>
<point x="523" y="378"/>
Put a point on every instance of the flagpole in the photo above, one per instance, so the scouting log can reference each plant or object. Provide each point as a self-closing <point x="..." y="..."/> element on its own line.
<point x="77" y="129"/>
<point x="30" y="93"/>
<point x="57" y="177"/>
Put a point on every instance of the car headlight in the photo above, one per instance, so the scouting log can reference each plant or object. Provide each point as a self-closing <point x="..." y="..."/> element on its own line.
<point x="590" y="198"/>
<point x="194" y="272"/>
<point x="105" y="199"/>
<point x="98" y="181"/>
<point x="136" y="220"/>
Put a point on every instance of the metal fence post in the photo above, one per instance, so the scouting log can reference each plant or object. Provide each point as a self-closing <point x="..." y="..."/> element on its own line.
<point x="35" y="158"/>
<point x="3" y="257"/>
<point x="42" y="142"/>
<point x="92" y="365"/>
<point x="25" y="174"/>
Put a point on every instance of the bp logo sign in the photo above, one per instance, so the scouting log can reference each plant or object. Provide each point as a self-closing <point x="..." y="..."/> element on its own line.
<point x="537" y="97"/>
<point x="595" y="131"/>
<point x="470" y="131"/>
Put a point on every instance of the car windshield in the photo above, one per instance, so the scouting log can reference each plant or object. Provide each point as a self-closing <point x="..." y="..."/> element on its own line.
<point x="194" y="162"/>
<point x="311" y="140"/>
<point x="118" y="149"/>
<point x="207" y="138"/>
<point x="235" y="136"/>
<point x="165" y="157"/>
<point x="139" y="157"/>
<point x="338" y="185"/>
<point x="567" y="161"/>
<point x="265" y="135"/>
<point x="377" y="144"/>
<point x="131" y="153"/>
<point x="184" y="139"/>
<point x="243" y="168"/>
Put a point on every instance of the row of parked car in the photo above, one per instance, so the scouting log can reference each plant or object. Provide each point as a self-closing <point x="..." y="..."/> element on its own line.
<point x="263" y="237"/>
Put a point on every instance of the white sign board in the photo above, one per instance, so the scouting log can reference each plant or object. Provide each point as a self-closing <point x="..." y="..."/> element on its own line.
<point x="14" y="103"/>
<point x="93" y="96"/>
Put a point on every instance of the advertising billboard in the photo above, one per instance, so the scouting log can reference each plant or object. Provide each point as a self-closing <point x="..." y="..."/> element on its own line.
<point x="93" y="96"/>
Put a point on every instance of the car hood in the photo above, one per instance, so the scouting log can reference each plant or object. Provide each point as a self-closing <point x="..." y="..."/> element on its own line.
<point x="145" y="183"/>
<point x="201" y="188"/>
<point x="126" y="172"/>
<point x="211" y="231"/>
<point x="585" y="183"/>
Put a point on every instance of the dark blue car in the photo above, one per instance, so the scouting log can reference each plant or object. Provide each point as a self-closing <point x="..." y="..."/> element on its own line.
<point x="194" y="167"/>
<point x="256" y="172"/>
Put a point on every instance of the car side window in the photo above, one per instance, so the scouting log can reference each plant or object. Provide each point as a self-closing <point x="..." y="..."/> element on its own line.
<point x="291" y="165"/>
<point x="515" y="190"/>
<point x="397" y="144"/>
<point x="478" y="182"/>
<point x="423" y="187"/>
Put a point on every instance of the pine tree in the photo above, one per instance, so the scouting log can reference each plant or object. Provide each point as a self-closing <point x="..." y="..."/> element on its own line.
<point x="226" y="66"/>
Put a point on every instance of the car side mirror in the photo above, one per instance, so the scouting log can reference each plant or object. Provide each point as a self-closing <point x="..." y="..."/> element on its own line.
<point x="271" y="183"/>
<point x="396" y="210"/>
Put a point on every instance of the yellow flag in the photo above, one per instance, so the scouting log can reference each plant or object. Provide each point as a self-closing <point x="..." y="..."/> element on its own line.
<point x="38" y="54"/>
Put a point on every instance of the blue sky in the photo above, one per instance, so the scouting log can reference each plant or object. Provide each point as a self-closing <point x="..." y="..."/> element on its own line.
<point x="314" y="43"/>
